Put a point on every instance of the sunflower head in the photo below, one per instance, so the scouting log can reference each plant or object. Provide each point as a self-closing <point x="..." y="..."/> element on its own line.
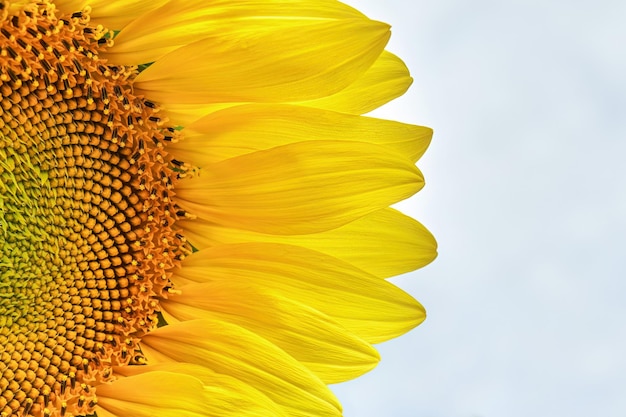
<point x="86" y="199"/>
<point x="129" y="133"/>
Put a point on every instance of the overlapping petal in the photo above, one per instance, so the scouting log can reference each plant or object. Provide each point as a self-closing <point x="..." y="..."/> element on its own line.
<point x="166" y="394"/>
<point x="181" y="22"/>
<point x="227" y="348"/>
<point x="366" y="305"/>
<point x="299" y="188"/>
<point x="383" y="243"/>
<point x="244" y="129"/>
<point x="387" y="79"/>
<point x="303" y="63"/>
<point x="224" y="395"/>
<point x="313" y="338"/>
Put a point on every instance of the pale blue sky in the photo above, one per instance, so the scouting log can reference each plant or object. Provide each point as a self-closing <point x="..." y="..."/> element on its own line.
<point x="526" y="194"/>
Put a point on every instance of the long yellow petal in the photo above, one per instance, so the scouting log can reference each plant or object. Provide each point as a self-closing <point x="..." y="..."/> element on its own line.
<point x="163" y="394"/>
<point x="230" y="349"/>
<point x="366" y="305"/>
<point x="302" y="63"/>
<point x="300" y="188"/>
<point x="247" y="128"/>
<point x="113" y="15"/>
<point x="228" y="397"/>
<point x="180" y="22"/>
<point x="387" y="79"/>
<point x="385" y="243"/>
<point x="313" y="338"/>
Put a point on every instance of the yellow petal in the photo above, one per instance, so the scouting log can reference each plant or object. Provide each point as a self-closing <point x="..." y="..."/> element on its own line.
<point x="163" y="394"/>
<point x="230" y="349"/>
<point x="302" y="63"/>
<point x="387" y="79"/>
<point x="113" y="15"/>
<point x="180" y="22"/>
<point x="244" y="129"/>
<point x="227" y="395"/>
<point x="300" y="188"/>
<point x="372" y="308"/>
<point x="185" y="114"/>
<point x="313" y="338"/>
<point x="384" y="243"/>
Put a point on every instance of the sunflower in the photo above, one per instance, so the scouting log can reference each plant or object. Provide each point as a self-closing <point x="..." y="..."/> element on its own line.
<point x="194" y="215"/>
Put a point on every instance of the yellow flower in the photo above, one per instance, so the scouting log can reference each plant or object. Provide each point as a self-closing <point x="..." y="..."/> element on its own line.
<point x="194" y="215"/>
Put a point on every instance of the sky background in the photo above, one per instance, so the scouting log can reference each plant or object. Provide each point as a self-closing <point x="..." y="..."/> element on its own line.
<point x="525" y="192"/>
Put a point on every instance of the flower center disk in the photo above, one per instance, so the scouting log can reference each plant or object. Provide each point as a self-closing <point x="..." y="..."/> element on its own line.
<point x="84" y="211"/>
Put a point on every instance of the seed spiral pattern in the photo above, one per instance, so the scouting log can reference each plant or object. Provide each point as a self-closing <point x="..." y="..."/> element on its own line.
<point x="85" y="212"/>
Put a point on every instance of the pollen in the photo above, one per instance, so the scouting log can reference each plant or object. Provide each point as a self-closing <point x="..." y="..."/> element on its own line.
<point x="83" y="249"/>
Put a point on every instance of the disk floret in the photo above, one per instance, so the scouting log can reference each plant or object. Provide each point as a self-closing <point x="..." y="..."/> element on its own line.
<point x="85" y="212"/>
